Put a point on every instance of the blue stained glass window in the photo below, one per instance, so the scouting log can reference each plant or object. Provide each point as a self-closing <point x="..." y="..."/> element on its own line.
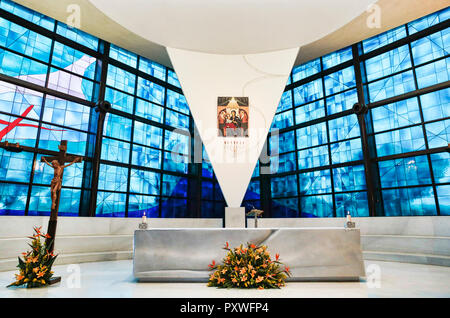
<point x="148" y="110"/>
<point x="172" y="78"/>
<point x="285" y="208"/>
<point x="27" y="14"/>
<point x="313" y="135"/>
<point x="121" y="79"/>
<point x="315" y="182"/>
<point x="66" y="113"/>
<point x="337" y="57"/>
<point x="152" y="68"/>
<point x="404" y="172"/>
<point x="50" y="137"/>
<point x="388" y="63"/>
<point x="317" y="206"/>
<point x="18" y="101"/>
<point x="253" y="191"/>
<point x="384" y="39"/>
<point x="433" y="73"/>
<point x="115" y="150"/>
<point x="12" y="64"/>
<point x="144" y="182"/>
<point x="177" y="120"/>
<point x="73" y="60"/>
<point x="150" y="91"/>
<point x="40" y="202"/>
<point x="256" y="170"/>
<point x="346" y="151"/>
<point x="392" y="86"/>
<point x="313" y="157"/>
<point x="138" y="204"/>
<point x="409" y="201"/>
<point x="305" y="70"/>
<point x="68" y="83"/>
<point x="207" y="169"/>
<point x="438" y="133"/>
<point x="344" y="128"/>
<point x="309" y="111"/>
<point x="431" y="47"/>
<point x="429" y="20"/>
<point x="340" y="80"/>
<point x="78" y="36"/>
<point x="175" y="162"/>
<point x="146" y="157"/>
<point x="113" y="178"/>
<point x="110" y="204"/>
<point x="176" y="142"/>
<point x="400" y="141"/>
<point x="284" y="186"/>
<point x="218" y="192"/>
<point x="436" y="105"/>
<point x="177" y="102"/>
<point x="22" y="40"/>
<point x="340" y="102"/>
<point x="308" y="92"/>
<point x="147" y="135"/>
<point x="349" y="178"/>
<point x="443" y="193"/>
<point x="119" y="100"/>
<point x="282" y="143"/>
<point x="207" y="190"/>
<point x="15" y="166"/>
<point x="282" y="120"/>
<point x="441" y="167"/>
<point x="286" y="101"/>
<point x="283" y="163"/>
<point x="25" y="135"/>
<point x="123" y="55"/>
<point x="174" y="208"/>
<point x="355" y="202"/>
<point x="395" y="115"/>
<point x="13" y="198"/>
<point x="117" y="127"/>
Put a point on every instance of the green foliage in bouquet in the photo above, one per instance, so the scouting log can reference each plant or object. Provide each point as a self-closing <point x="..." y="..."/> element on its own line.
<point x="248" y="267"/>
<point x="35" y="267"/>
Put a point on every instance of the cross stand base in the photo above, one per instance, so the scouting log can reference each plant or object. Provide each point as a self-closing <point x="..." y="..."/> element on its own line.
<point x="55" y="280"/>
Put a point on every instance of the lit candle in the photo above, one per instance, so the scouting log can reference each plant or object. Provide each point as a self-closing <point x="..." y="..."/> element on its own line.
<point x="349" y="217"/>
<point x="144" y="219"/>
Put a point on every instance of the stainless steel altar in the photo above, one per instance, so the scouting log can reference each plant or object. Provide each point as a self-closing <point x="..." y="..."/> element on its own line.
<point x="184" y="254"/>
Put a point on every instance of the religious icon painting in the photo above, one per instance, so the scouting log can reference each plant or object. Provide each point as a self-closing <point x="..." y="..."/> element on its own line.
<point x="232" y="116"/>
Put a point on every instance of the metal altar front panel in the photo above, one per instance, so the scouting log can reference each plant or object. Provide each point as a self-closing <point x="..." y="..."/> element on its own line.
<point x="184" y="254"/>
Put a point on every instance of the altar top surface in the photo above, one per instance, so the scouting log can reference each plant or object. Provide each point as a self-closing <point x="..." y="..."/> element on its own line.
<point x="247" y="229"/>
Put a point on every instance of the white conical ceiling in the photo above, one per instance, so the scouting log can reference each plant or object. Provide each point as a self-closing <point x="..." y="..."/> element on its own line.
<point x="260" y="77"/>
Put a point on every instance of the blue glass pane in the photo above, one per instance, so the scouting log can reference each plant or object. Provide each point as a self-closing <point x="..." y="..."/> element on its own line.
<point x="177" y="102"/>
<point x="173" y="79"/>
<point x="15" y="166"/>
<point x="40" y="202"/>
<point x="282" y="120"/>
<point x="207" y="190"/>
<point x="286" y="101"/>
<point x="256" y="170"/>
<point x="146" y="157"/>
<point x="384" y="39"/>
<point x="18" y="66"/>
<point x="284" y="186"/>
<point x="119" y="100"/>
<point x="73" y="60"/>
<point x="404" y="172"/>
<point x="113" y="178"/>
<point x="13" y="198"/>
<point x="253" y="191"/>
<point x="138" y="204"/>
<point x="144" y="182"/>
<point x="175" y="162"/>
<point x="315" y="182"/>
<point x="25" y="134"/>
<point x="349" y="178"/>
<point x="429" y="20"/>
<point x="308" y="92"/>
<point x="66" y="113"/>
<point x="174" y="186"/>
<point x="152" y="68"/>
<point x="313" y="135"/>
<point x="340" y="80"/>
<point x="400" y="141"/>
<point x="309" y="112"/>
<point x="337" y="57"/>
<point x="388" y="63"/>
<point x="346" y="151"/>
<point x="396" y="85"/>
<point x="51" y="136"/>
<point x="19" y="101"/>
<point x="68" y="83"/>
<point x="441" y="167"/>
<point x="305" y="70"/>
<point x="123" y="56"/>
<point x="282" y="143"/>
<point x="285" y="208"/>
<point x="317" y="206"/>
<point x="433" y="73"/>
<point x="177" y="120"/>
<point x="117" y="127"/>
<point x="78" y="36"/>
<point x="438" y="134"/>
<point x="148" y="110"/>
<point x="436" y="105"/>
<point x="356" y="203"/>
<point x="176" y="142"/>
<point x="28" y="14"/>
<point x="409" y="202"/>
<point x="344" y="128"/>
<point x="150" y="91"/>
<point x="218" y="195"/>
<point x="207" y="169"/>
<point x="110" y="204"/>
<point x="174" y="208"/>
<point x="121" y="79"/>
<point x="396" y="115"/>
<point x="114" y="150"/>
<point x="431" y="47"/>
<point x="147" y="135"/>
<point x="313" y="157"/>
<point x="443" y="193"/>
<point x="283" y="163"/>
<point x="340" y="102"/>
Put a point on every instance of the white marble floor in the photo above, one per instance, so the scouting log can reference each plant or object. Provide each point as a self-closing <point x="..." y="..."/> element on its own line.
<point x="114" y="279"/>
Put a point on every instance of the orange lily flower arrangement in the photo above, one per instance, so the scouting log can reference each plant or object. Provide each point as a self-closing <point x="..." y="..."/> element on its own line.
<point x="35" y="267"/>
<point x="248" y="267"/>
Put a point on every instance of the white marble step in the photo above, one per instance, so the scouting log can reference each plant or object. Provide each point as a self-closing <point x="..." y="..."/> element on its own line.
<point x="439" y="260"/>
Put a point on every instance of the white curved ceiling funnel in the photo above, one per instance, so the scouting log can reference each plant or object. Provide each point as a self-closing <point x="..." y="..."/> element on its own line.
<point x="260" y="77"/>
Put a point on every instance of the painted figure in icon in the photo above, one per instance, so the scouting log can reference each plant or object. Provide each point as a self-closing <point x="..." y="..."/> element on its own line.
<point x="233" y="116"/>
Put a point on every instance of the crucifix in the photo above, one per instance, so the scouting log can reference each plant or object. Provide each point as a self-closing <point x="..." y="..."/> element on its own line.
<point x="255" y="212"/>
